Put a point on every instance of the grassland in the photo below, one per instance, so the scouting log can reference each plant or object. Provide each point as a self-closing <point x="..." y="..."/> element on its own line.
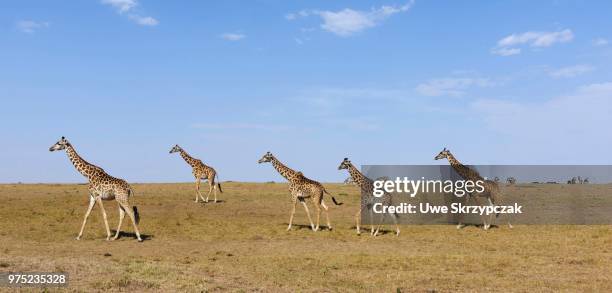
<point x="241" y="245"/>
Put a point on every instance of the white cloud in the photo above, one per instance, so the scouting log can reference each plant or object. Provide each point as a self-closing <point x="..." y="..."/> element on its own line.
<point x="122" y="6"/>
<point x="233" y="36"/>
<point x="347" y="22"/>
<point x="144" y="20"/>
<point x="506" y="51"/>
<point x="508" y="45"/>
<point x="571" y="71"/>
<point x="600" y="42"/>
<point x="293" y="16"/>
<point x="453" y="87"/>
<point x="127" y="6"/>
<point x="537" y="39"/>
<point x="29" y="26"/>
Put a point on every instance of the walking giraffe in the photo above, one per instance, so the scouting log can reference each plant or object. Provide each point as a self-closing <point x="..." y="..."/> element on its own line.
<point x="301" y="188"/>
<point x="491" y="191"/>
<point x="101" y="187"/>
<point x="367" y="190"/>
<point x="200" y="171"/>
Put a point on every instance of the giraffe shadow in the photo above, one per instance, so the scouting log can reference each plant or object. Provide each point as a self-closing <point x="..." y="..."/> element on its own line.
<point x="365" y="230"/>
<point x="304" y="226"/>
<point x="211" y="202"/>
<point x="479" y="226"/>
<point x="122" y="234"/>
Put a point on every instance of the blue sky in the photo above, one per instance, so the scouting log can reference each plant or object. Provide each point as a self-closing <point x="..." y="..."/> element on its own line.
<point x="384" y="82"/>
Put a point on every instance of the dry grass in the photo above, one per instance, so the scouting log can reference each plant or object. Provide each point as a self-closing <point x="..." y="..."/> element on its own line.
<point x="241" y="245"/>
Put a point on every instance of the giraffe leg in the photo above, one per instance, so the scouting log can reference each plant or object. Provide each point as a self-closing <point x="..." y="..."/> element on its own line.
<point x="198" y="189"/>
<point x="210" y="188"/>
<point x="108" y="233"/>
<point x="376" y="231"/>
<point x="509" y="217"/>
<point x="382" y="218"/>
<point x="215" y="192"/>
<point x="308" y="214"/>
<point x="460" y="224"/>
<point x="130" y="213"/>
<point x="329" y="226"/>
<point x="121" y="216"/>
<point x="292" y="213"/>
<point x="372" y="222"/>
<point x="380" y="223"/>
<point x="317" y="205"/>
<point x="483" y="217"/>
<point x="357" y="220"/>
<point x="92" y="203"/>
<point x="397" y="229"/>
<point x="492" y="215"/>
<point x="214" y="184"/>
<point x="498" y="200"/>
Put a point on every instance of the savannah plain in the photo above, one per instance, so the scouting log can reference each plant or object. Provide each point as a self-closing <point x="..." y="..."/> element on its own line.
<point x="241" y="244"/>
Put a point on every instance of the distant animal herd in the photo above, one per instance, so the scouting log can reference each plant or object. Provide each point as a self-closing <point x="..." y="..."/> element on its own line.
<point x="103" y="187"/>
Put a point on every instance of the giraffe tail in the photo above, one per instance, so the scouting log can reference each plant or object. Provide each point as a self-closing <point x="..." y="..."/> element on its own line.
<point x="335" y="202"/>
<point x="136" y="215"/>
<point x="333" y="198"/>
<point x="134" y="208"/>
<point x="219" y="184"/>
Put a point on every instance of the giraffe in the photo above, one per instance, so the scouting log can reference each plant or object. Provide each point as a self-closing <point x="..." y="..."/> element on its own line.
<point x="367" y="188"/>
<point x="200" y="171"/>
<point x="301" y="188"/>
<point x="491" y="191"/>
<point x="101" y="187"/>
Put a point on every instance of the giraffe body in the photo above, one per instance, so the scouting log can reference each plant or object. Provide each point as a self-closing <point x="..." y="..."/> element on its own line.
<point x="367" y="189"/>
<point x="302" y="188"/>
<point x="200" y="171"/>
<point x="102" y="187"/>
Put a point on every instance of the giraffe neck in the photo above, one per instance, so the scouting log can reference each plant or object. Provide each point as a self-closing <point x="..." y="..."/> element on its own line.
<point x="190" y="160"/>
<point x="358" y="177"/>
<point x="285" y="171"/>
<point x="86" y="169"/>
<point x="462" y="170"/>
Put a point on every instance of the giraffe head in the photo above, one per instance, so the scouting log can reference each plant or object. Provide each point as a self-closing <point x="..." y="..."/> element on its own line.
<point x="345" y="164"/>
<point x="59" y="145"/>
<point x="268" y="157"/>
<point x="176" y="148"/>
<point x="443" y="154"/>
